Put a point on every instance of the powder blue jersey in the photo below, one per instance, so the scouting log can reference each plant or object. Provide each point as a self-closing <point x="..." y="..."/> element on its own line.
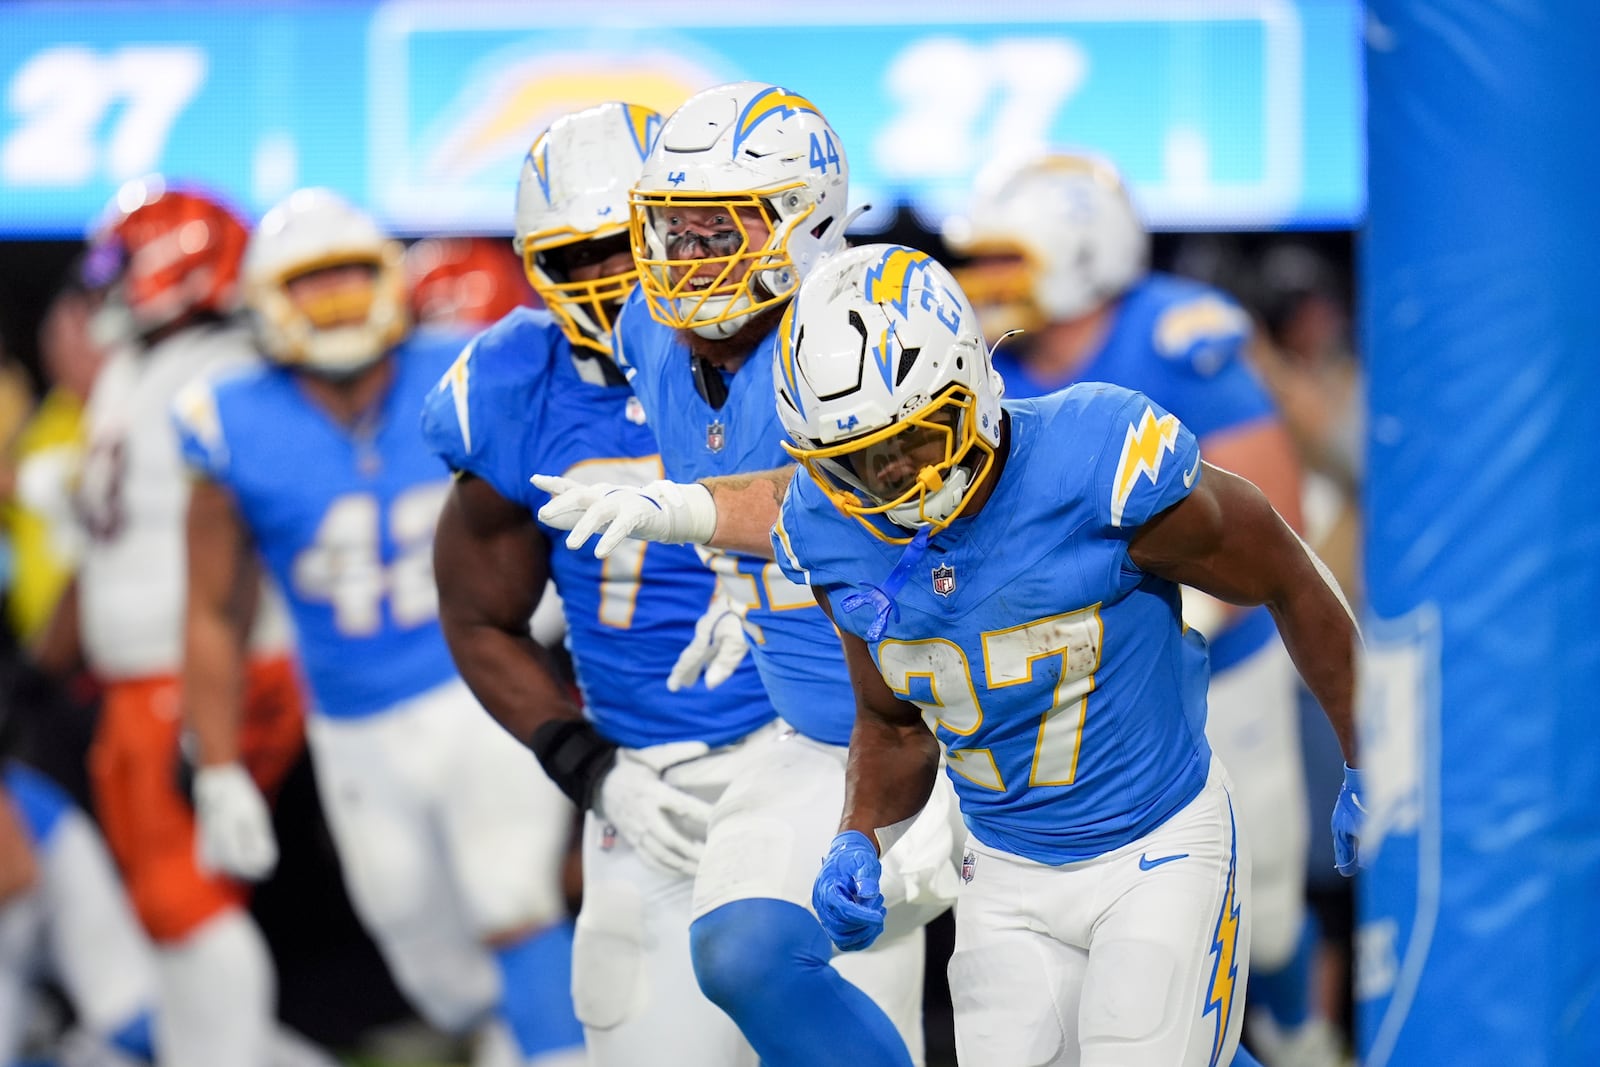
<point x="342" y="515"/>
<point x="515" y="404"/>
<point x="791" y="640"/>
<point x="1058" y="675"/>
<point x="1183" y="345"/>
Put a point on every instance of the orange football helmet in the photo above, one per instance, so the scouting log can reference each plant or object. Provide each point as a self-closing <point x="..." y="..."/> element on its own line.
<point x="166" y="253"/>
<point x="469" y="282"/>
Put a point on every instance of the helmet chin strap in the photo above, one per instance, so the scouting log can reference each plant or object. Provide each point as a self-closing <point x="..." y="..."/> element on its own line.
<point x="730" y="306"/>
<point x="343" y="355"/>
<point x="939" y="501"/>
<point x="719" y="306"/>
<point x="935" y="506"/>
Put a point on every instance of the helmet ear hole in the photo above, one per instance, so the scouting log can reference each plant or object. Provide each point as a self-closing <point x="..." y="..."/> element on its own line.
<point x="908" y="357"/>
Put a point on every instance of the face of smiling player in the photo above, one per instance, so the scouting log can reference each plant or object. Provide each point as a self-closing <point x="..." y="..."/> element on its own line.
<point x="703" y="243"/>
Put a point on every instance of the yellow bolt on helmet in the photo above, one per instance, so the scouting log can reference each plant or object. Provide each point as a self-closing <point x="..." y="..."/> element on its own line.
<point x="572" y="208"/>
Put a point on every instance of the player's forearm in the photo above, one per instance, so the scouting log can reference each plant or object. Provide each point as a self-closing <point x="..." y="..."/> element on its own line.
<point x="510" y="675"/>
<point x="890" y="775"/>
<point x="213" y="682"/>
<point x="747" y="507"/>
<point x="1321" y="637"/>
<point x="489" y="565"/>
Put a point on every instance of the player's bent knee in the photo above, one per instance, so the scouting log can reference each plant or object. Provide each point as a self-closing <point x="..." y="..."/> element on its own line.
<point x="608" y="980"/>
<point x="751" y="951"/>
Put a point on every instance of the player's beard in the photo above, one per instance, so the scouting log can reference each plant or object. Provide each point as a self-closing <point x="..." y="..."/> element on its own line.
<point x="729" y="353"/>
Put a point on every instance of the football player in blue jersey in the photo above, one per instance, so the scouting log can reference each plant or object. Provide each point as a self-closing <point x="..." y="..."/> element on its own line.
<point x="539" y="391"/>
<point x="1006" y="579"/>
<point x="449" y="837"/>
<point x="743" y="193"/>
<point x="1058" y="251"/>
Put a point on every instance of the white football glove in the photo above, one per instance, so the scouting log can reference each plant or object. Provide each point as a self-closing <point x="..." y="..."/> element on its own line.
<point x="665" y="824"/>
<point x="718" y="647"/>
<point x="234" y="828"/>
<point x="674" y="512"/>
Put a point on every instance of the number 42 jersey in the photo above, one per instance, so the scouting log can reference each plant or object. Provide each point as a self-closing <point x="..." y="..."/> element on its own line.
<point x="1055" y="672"/>
<point x="343" y="517"/>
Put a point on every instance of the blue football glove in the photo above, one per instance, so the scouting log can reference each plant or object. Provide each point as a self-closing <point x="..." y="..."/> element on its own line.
<point x="1348" y="817"/>
<point x="845" y="895"/>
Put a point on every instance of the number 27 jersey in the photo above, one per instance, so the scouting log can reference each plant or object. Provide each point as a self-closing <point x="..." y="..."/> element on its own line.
<point x="1055" y="672"/>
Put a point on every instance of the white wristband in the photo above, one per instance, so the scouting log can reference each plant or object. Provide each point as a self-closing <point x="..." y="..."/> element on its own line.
<point x="697" y="511"/>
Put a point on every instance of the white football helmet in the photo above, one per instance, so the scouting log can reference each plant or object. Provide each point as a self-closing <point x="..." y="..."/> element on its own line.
<point x="311" y="230"/>
<point x="745" y="145"/>
<point x="574" y="188"/>
<point x="885" y="387"/>
<point x="1069" y="220"/>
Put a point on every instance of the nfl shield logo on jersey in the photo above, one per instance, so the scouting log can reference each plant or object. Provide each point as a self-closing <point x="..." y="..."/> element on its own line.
<point x="969" y="861"/>
<point x="716" y="435"/>
<point x="633" y="411"/>
<point x="944" y="579"/>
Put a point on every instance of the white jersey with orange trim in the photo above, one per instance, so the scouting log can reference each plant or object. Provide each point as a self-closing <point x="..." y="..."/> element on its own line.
<point x="132" y="500"/>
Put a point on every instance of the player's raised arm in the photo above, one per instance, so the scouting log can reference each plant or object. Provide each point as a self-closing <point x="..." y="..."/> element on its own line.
<point x="747" y="508"/>
<point x="732" y="511"/>
<point x="1225" y="539"/>
<point x="491" y="565"/>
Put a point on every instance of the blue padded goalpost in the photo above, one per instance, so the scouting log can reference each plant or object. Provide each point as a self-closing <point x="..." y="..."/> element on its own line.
<point x="1478" y="935"/>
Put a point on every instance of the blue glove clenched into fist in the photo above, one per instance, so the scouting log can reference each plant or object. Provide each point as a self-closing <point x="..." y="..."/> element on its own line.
<point x="1348" y="817"/>
<point x="845" y="896"/>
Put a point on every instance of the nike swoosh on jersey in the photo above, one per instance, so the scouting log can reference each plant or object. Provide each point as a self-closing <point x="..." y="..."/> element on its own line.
<point x="1188" y="475"/>
<point x="1148" y="864"/>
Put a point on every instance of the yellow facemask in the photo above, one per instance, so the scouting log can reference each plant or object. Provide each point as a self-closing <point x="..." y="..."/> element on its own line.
<point x="572" y="303"/>
<point x="922" y="469"/>
<point x="672" y="279"/>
